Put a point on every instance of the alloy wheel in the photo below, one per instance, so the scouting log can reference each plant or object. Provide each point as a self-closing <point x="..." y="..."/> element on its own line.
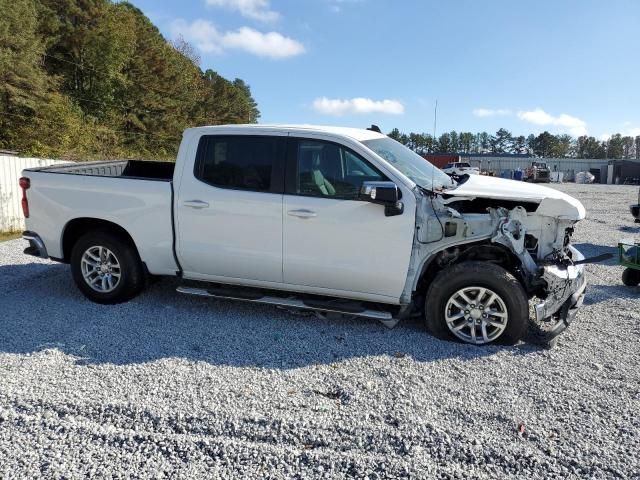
<point x="101" y="269"/>
<point x="476" y="315"/>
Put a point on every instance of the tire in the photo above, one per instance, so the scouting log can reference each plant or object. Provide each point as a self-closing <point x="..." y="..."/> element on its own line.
<point x="100" y="250"/>
<point x="507" y="314"/>
<point x="631" y="277"/>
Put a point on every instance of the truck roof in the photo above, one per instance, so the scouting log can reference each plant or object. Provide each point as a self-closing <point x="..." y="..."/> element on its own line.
<point x="359" y="134"/>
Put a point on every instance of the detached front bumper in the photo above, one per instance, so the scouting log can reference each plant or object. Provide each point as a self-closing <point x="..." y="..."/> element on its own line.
<point x="565" y="293"/>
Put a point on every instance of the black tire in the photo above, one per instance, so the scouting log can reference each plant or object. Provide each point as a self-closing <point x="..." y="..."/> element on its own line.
<point x="132" y="277"/>
<point x="631" y="277"/>
<point x="477" y="274"/>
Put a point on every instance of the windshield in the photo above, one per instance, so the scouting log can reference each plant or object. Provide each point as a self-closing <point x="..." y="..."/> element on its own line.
<point x="412" y="165"/>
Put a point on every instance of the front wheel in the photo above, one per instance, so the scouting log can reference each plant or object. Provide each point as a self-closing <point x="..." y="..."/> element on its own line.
<point x="477" y="303"/>
<point x="106" y="268"/>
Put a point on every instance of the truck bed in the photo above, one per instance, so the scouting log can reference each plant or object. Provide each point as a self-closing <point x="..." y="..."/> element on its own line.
<point x="134" y="195"/>
<point x="137" y="169"/>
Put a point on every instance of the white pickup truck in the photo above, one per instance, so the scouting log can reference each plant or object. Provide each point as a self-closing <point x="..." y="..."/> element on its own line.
<point x="458" y="169"/>
<point x="317" y="218"/>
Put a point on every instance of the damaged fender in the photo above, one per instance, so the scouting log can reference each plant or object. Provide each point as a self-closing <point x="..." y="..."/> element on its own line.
<point x="539" y="236"/>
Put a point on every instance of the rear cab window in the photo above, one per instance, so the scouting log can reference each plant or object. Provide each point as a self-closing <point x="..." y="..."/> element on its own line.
<point x="242" y="162"/>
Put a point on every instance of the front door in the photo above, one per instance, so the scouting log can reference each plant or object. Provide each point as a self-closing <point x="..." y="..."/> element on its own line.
<point x="229" y="209"/>
<point x="332" y="240"/>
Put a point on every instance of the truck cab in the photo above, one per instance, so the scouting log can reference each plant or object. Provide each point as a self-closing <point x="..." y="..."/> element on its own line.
<point x="329" y="219"/>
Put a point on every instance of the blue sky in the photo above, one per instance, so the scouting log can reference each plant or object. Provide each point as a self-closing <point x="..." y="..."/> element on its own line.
<point x="569" y="66"/>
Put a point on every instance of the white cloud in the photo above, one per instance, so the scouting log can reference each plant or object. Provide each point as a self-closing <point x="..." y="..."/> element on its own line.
<point x="335" y="6"/>
<point x="487" y="112"/>
<point x="206" y="37"/>
<point x="631" y="132"/>
<point x="272" y="44"/>
<point x="573" y="125"/>
<point x="357" y="105"/>
<point x="256" y="9"/>
<point x="627" y="132"/>
<point x="202" y="33"/>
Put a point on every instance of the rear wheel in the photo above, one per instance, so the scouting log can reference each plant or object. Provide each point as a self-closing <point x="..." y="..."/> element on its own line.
<point x="477" y="303"/>
<point x="631" y="277"/>
<point x="106" y="268"/>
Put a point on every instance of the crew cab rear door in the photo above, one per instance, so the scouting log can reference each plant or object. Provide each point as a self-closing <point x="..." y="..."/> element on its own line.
<point x="229" y="209"/>
<point x="334" y="242"/>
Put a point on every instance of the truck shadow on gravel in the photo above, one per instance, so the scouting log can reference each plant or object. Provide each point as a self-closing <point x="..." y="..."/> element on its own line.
<point x="597" y="293"/>
<point x="630" y="229"/>
<point x="592" y="250"/>
<point x="41" y="308"/>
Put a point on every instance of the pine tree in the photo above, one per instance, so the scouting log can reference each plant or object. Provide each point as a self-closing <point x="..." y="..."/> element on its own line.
<point x="24" y="85"/>
<point x="93" y="78"/>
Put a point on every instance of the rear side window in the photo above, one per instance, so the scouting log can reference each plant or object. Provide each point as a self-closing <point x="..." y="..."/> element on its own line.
<point x="241" y="162"/>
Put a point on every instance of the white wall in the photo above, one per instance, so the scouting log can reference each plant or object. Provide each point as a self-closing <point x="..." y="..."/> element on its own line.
<point x="11" y="218"/>
<point x="568" y="166"/>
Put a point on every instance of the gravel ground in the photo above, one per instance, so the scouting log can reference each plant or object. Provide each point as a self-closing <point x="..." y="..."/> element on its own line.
<point x="184" y="387"/>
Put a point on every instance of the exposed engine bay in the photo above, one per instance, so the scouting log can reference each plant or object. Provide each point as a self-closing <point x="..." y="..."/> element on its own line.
<point x="530" y="237"/>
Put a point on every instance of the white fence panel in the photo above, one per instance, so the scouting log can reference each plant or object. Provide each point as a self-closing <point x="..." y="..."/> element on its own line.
<point x="11" y="218"/>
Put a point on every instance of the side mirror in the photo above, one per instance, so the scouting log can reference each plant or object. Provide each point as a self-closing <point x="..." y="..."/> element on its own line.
<point x="383" y="193"/>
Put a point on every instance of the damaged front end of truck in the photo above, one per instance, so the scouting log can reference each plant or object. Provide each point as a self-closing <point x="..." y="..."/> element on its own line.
<point x="524" y="228"/>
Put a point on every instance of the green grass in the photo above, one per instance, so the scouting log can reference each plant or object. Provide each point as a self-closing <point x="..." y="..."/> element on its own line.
<point x="9" y="236"/>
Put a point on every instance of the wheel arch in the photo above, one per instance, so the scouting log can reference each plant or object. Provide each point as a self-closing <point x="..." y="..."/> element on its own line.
<point x="74" y="229"/>
<point x="474" y="274"/>
<point x="476" y="251"/>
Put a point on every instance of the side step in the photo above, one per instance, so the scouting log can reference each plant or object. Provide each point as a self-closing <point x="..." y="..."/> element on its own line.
<point x="346" y="309"/>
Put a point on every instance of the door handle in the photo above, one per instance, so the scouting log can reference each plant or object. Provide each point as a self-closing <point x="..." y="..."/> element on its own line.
<point x="196" y="204"/>
<point x="302" y="213"/>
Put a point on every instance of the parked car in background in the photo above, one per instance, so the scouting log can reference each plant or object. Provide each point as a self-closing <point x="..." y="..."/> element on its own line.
<point x="538" y="172"/>
<point x="317" y="218"/>
<point x="457" y="169"/>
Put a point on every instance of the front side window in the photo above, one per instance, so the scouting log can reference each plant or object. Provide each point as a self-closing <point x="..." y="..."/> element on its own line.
<point x="326" y="169"/>
<point x="240" y="162"/>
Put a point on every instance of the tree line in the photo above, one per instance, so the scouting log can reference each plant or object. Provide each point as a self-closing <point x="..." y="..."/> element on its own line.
<point x="86" y="79"/>
<point x="544" y="144"/>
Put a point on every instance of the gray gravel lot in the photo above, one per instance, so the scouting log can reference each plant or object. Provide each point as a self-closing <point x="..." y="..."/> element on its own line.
<point x="183" y="387"/>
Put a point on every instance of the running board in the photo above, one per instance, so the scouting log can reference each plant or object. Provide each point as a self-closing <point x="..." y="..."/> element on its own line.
<point x="385" y="317"/>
